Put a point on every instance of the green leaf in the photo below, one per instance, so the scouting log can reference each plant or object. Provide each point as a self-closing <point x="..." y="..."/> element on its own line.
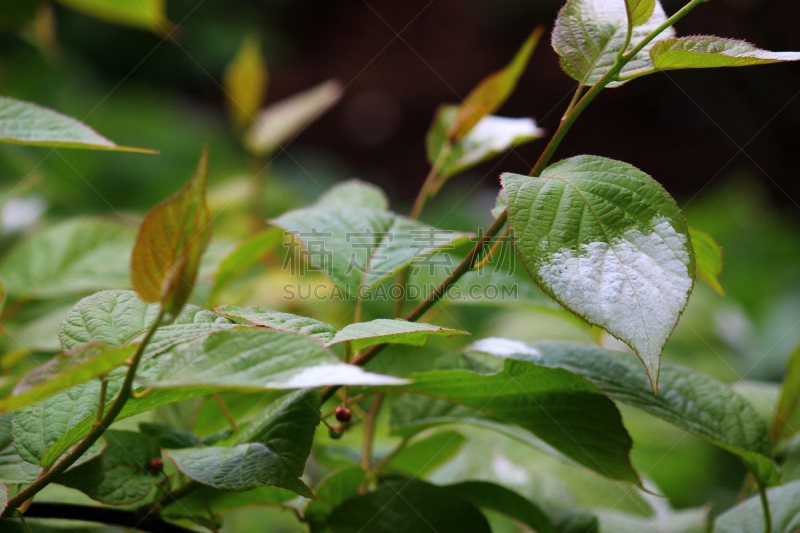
<point x="281" y="122"/>
<point x="708" y="259"/>
<point x="491" y="136"/>
<point x="170" y="243"/>
<point x="271" y="451"/>
<point x="3" y="497"/>
<point x="353" y="193"/>
<point x="258" y="316"/>
<point x="246" y="80"/>
<point x="589" y="34"/>
<point x="117" y="318"/>
<point x="747" y="517"/>
<point x="176" y="439"/>
<point x="710" y="52"/>
<point x="503" y="500"/>
<point x="121" y="474"/>
<point x="244" y="257"/>
<point x="70" y="258"/>
<point x="333" y="490"/>
<point x="261" y="359"/>
<point x="65" y="370"/>
<point x="408" y="505"/>
<point x="362" y="247"/>
<point x="790" y="395"/>
<point x="561" y="408"/>
<point x="392" y="331"/>
<point x="5" y="429"/>
<point x="689" y="400"/>
<point x="427" y="453"/>
<point x="640" y="11"/>
<point x="204" y="499"/>
<point x="144" y="14"/>
<point x="607" y="242"/>
<point x="27" y="123"/>
<point x="14" y="470"/>
<point x="492" y="92"/>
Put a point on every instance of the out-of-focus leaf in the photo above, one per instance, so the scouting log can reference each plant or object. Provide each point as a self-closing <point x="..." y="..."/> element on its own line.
<point x="70" y="258"/>
<point x="491" y="136"/>
<point x="590" y="33"/>
<point x="607" y="242"/>
<point x="683" y="521"/>
<point x="170" y="243"/>
<point x="333" y="490"/>
<point x="246" y="82"/>
<point x="708" y="259"/>
<point x="709" y="52"/>
<point x="362" y="247"/>
<point x="640" y="11"/>
<point x="261" y="359"/>
<point x="747" y="517"/>
<point x="121" y="474"/>
<point x="205" y="499"/>
<point x="245" y="257"/>
<point x="353" y="193"/>
<point x="503" y="500"/>
<point x="65" y="370"/>
<point x="144" y="14"/>
<point x="271" y="451"/>
<point x="5" y="429"/>
<point x="176" y="439"/>
<point x="408" y="505"/>
<point x="561" y="408"/>
<point x="282" y="121"/>
<point x="392" y="331"/>
<point x="790" y="395"/>
<point x="492" y="92"/>
<point x="119" y="317"/>
<point x="426" y="453"/>
<point x="258" y="316"/>
<point x="689" y="400"/>
<point x="27" y="123"/>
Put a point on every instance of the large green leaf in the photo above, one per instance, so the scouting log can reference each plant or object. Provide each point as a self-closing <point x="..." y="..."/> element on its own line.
<point x="353" y="193"/>
<point x="708" y="52"/>
<point x="246" y="81"/>
<point x="333" y="490"/>
<point x="119" y="317"/>
<point x="361" y="247"/>
<point x="70" y="258"/>
<point x="280" y="122"/>
<point x="503" y="500"/>
<point x="788" y="399"/>
<point x="590" y="33"/>
<point x="607" y="242"/>
<point x="253" y="359"/>
<point x="121" y="474"/>
<point x="13" y="469"/>
<point x="491" y="92"/>
<point x="204" y="499"/>
<point x="408" y="505"/>
<point x="146" y="14"/>
<point x="271" y="451"/>
<point x="708" y="258"/>
<point x="170" y="244"/>
<point x="491" y="136"/>
<point x="687" y="399"/>
<point x="27" y="123"/>
<point x="561" y="408"/>
<point x="383" y="330"/>
<point x="258" y="316"/>
<point x="747" y="517"/>
<point x="65" y="370"/>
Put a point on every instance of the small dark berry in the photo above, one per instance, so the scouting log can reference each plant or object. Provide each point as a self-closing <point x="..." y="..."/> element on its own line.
<point x="343" y="414"/>
<point x="156" y="465"/>
<point x="335" y="431"/>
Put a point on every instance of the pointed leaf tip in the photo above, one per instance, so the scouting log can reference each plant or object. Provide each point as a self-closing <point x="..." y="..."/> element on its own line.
<point x="170" y="243"/>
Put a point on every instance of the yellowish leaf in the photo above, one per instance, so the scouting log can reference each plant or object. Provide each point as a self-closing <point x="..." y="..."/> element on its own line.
<point x="246" y="81"/>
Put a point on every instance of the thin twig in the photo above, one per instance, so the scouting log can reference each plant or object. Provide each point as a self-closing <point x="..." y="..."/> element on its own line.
<point x="227" y="413"/>
<point x="762" y="491"/>
<point x="369" y="433"/>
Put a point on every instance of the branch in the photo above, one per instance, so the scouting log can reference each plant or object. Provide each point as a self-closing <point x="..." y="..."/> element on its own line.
<point x="103" y="515"/>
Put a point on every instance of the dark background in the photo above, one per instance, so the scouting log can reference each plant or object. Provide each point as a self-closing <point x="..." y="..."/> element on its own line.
<point x="689" y="129"/>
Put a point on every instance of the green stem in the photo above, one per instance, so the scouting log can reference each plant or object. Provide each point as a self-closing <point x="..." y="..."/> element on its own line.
<point x="98" y="428"/>
<point x="762" y="491"/>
